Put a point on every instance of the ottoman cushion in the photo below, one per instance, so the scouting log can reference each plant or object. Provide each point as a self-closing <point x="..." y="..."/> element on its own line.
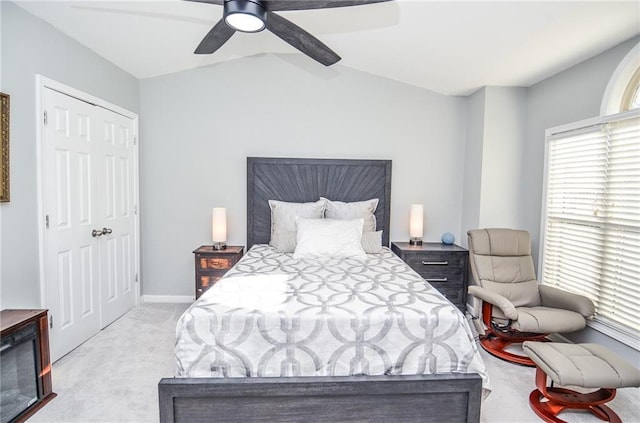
<point x="585" y="365"/>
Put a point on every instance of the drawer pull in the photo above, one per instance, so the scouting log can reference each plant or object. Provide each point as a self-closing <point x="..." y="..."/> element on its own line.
<point x="435" y="263"/>
<point x="437" y="280"/>
<point x="215" y="263"/>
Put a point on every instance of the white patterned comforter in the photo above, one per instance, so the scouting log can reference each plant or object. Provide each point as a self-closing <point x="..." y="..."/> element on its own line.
<point x="275" y="316"/>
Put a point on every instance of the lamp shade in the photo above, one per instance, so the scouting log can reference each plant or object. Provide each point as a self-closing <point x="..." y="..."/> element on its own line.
<point x="416" y="221"/>
<point x="219" y="225"/>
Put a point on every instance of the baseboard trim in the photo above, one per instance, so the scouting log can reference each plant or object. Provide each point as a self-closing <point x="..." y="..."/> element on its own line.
<point x="168" y="298"/>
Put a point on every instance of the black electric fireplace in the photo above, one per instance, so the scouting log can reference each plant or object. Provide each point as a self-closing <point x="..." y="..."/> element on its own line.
<point x="25" y="370"/>
<point x="18" y="372"/>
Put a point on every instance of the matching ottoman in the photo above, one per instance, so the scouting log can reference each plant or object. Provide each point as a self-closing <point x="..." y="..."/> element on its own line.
<point x="579" y="365"/>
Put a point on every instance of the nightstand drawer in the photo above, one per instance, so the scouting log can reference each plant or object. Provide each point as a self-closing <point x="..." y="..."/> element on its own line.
<point x="453" y="294"/>
<point x="435" y="262"/>
<point x="442" y="269"/>
<point x="206" y="281"/>
<point x="445" y="276"/>
<point x="215" y="263"/>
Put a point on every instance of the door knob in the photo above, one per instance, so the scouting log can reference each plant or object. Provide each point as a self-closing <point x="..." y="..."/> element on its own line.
<point x="99" y="232"/>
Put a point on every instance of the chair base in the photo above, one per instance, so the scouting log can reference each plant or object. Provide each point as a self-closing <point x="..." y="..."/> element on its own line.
<point x="560" y="399"/>
<point x="496" y="340"/>
<point x="497" y="347"/>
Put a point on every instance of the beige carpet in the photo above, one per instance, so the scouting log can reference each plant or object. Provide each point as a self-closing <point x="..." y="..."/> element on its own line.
<point x="113" y="377"/>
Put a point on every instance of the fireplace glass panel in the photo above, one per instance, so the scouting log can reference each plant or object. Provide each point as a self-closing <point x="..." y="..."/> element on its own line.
<point x="18" y="378"/>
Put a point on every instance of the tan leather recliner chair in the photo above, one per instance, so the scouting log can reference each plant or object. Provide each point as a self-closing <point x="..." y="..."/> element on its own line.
<point x="515" y="307"/>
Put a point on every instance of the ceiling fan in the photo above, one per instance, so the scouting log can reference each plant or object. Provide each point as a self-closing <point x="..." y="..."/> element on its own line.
<point x="257" y="15"/>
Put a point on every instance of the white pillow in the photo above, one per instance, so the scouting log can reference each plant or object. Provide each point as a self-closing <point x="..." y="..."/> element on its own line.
<point x="329" y="238"/>
<point x="283" y="221"/>
<point x="353" y="210"/>
<point x="372" y="242"/>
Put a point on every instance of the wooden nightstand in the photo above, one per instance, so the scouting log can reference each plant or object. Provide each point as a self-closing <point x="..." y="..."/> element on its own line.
<point x="443" y="266"/>
<point x="212" y="264"/>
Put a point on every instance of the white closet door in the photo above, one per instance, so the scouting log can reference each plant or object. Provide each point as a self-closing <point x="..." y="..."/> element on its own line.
<point x="72" y="268"/>
<point x="116" y="214"/>
<point x="90" y="239"/>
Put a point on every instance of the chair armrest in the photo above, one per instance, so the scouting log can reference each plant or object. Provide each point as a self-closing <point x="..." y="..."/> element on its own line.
<point x="558" y="298"/>
<point x="507" y="308"/>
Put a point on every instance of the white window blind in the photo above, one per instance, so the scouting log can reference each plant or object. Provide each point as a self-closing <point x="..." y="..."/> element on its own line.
<point x="591" y="240"/>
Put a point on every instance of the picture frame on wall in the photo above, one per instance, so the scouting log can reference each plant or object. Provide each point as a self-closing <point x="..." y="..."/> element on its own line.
<point x="4" y="144"/>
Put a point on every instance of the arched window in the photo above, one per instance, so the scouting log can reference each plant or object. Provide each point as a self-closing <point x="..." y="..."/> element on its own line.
<point x="623" y="90"/>
<point x="631" y="96"/>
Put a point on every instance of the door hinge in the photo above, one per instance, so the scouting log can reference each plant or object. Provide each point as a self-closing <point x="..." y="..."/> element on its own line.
<point x="135" y="210"/>
<point x="46" y="221"/>
<point x="50" y="321"/>
<point x="136" y="277"/>
<point x="135" y="140"/>
<point x="45" y="118"/>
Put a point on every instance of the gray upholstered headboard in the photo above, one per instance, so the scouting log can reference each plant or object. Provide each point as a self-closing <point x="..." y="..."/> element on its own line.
<point x="305" y="180"/>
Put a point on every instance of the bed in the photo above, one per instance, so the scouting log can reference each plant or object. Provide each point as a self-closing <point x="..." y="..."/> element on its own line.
<point x="284" y="338"/>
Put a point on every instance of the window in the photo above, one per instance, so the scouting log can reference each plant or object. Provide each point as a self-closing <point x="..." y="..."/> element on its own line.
<point x="623" y="90"/>
<point x="591" y="231"/>
<point x="631" y="96"/>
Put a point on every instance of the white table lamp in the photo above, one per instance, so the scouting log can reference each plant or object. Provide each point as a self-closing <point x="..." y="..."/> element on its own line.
<point x="416" y="224"/>
<point x="219" y="228"/>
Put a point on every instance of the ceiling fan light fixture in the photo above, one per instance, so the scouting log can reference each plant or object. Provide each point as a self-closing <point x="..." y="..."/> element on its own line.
<point x="245" y="15"/>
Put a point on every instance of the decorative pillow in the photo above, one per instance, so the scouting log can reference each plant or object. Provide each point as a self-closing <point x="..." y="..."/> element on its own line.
<point x="353" y="210"/>
<point x="329" y="238"/>
<point x="372" y="242"/>
<point x="283" y="221"/>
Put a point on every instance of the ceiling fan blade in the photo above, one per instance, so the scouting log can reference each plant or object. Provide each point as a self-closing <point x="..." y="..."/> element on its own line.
<point x="219" y="34"/>
<point x="275" y="5"/>
<point x="301" y="39"/>
<point x="218" y="2"/>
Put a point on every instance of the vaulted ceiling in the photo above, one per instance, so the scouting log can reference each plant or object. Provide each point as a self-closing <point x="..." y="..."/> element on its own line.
<point x="450" y="47"/>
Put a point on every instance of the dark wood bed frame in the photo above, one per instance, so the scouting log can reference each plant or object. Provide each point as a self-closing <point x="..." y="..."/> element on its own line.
<point x="420" y="398"/>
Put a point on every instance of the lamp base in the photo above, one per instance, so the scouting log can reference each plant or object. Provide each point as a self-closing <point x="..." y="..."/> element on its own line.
<point x="219" y="246"/>
<point x="415" y="241"/>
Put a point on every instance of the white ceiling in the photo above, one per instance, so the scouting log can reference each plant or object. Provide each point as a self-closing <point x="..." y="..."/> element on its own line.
<point x="451" y="47"/>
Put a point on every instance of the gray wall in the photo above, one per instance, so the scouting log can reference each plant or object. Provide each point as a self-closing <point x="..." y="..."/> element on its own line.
<point x="198" y="127"/>
<point x="473" y="164"/>
<point x="496" y="127"/>
<point x="29" y="47"/>
<point x="504" y="132"/>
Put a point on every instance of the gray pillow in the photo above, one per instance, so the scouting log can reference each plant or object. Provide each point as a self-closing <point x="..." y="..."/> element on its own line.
<point x="283" y="221"/>
<point x="372" y="242"/>
<point x="353" y="210"/>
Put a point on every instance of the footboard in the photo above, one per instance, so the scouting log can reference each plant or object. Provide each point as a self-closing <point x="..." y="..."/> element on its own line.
<point x="422" y="398"/>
